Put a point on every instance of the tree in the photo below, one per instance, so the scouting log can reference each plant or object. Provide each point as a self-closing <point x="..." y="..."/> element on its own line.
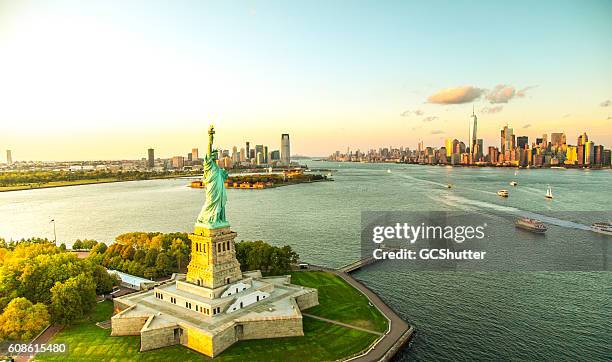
<point x="99" y="248"/>
<point x="62" y="247"/>
<point x="163" y="264"/>
<point x="103" y="280"/>
<point x="71" y="299"/>
<point x="139" y="255"/>
<point x="128" y="252"/>
<point x="78" y="244"/>
<point x="151" y="257"/>
<point x="88" y="244"/>
<point x="22" y="320"/>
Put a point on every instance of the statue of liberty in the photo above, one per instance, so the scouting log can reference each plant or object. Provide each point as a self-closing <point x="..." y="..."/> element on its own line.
<point x="212" y="215"/>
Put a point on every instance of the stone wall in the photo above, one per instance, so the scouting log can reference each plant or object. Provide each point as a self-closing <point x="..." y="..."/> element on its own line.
<point x="224" y="339"/>
<point x="157" y="338"/>
<point x="127" y="326"/>
<point x="272" y="328"/>
<point x="308" y="300"/>
<point x="197" y="340"/>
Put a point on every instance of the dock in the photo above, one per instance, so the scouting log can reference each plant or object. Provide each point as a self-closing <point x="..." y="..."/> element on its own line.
<point x="356" y="265"/>
<point x="399" y="332"/>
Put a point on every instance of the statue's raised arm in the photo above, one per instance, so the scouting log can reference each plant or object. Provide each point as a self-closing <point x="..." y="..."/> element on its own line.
<point x="212" y="215"/>
<point x="211" y="135"/>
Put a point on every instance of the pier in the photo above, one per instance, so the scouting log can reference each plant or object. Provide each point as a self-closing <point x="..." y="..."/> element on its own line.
<point x="399" y="332"/>
<point x="356" y="265"/>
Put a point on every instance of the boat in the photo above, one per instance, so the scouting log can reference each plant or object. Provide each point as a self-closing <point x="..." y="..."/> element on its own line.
<point x="503" y="193"/>
<point x="602" y="228"/>
<point x="388" y="171"/>
<point x="532" y="225"/>
<point x="449" y="186"/>
<point x="513" y="183"/>
<point x="549" y="194"/>
<point x="515" y="173"/>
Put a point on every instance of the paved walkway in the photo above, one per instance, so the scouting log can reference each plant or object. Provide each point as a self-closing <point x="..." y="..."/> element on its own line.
<point x="44" y="338"/>
<point x="342" y="324"/>
<point x="399" y="331"/>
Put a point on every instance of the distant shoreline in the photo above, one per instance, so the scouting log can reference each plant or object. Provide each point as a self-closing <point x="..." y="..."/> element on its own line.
<point x="477" y="166"/>
<point x="55" y="184"/>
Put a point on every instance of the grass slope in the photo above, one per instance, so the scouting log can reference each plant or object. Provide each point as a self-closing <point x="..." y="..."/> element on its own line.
<point x="340" y="301"/>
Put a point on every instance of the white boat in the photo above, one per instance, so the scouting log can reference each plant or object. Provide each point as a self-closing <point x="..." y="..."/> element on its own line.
<point x="549" y="194"/>
<point x="503" y="193"/>
<point x="515" y="173"/>
<point x="388" y="171"/>
<point x="513" y="183"/>
<point x="532" y="225"/>
<point x="602" y="228"/>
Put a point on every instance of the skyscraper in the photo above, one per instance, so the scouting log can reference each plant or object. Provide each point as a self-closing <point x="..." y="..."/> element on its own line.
<point x="235" y="155"/>
<point x="9" y="157"/>
<point x="248" y="151"/>
<point x="448" y="144"/>
<point x="507" y="135"/>
<point x="151" y="159"/>
<point x="178" y="162"/>
<point x="285" y="150"/>
<point x="557" y="139"/>
<point x="522" y="141"/>
<point x="195" y="154"/>
<point x="474" y="139"/>
<point x="259" y="149"/>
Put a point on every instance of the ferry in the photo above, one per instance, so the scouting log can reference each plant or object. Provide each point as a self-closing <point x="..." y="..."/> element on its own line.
<point x="503" y="193"/>
<point x="602" y="228"/>
<point x="513" y="183"/>
<point x="449" y="186"/>
<point x="549" y="194"/>
<point x="533" y="225"/>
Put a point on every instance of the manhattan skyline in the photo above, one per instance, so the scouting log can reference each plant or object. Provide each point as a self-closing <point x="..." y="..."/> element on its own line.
<point x="99" y="81"/>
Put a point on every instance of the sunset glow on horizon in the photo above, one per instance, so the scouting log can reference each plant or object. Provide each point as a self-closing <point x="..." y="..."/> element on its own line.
<point x="107" y="80"/>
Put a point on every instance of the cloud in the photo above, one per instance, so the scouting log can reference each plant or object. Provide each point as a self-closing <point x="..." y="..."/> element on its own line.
<point x="408" y="113"/>
<point x="430" y="118"/>
<point x="567" y="115"/>
<point x="523" y="92"/>
<point x="503" y="93"/>
<point x="456" y="95"/>
<point x="494" y="109"/>
<point x="527" y="125"/>
<point x="609" y="117"/>
<point x="606" y="103"/>
<point x="437" y="131"/>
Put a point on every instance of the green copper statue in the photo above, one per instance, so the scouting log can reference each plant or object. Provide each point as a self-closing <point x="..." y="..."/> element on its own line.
<point x="212" y="215"/>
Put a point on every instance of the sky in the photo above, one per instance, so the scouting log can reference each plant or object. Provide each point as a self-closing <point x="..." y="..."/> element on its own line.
<point x="109" y="79"/>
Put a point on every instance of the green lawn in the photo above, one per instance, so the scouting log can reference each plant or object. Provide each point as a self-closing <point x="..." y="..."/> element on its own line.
<point x="322" y="341"/>
<point x="340" y="301"/>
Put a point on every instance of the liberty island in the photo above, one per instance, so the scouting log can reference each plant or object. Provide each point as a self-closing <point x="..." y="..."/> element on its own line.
<point x="214" y="305"/>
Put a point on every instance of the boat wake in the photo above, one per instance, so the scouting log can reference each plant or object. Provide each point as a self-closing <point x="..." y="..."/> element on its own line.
<point x="458" y="200"/>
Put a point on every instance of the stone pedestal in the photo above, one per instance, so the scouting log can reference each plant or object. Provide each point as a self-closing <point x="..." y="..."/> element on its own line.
<point x="213" y="258"/>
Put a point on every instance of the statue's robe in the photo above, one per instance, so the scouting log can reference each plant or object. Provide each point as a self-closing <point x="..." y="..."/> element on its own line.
<point x="213" y="212"/>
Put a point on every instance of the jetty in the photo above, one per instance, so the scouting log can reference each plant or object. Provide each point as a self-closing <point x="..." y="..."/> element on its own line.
<point x="399" y="332"/>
